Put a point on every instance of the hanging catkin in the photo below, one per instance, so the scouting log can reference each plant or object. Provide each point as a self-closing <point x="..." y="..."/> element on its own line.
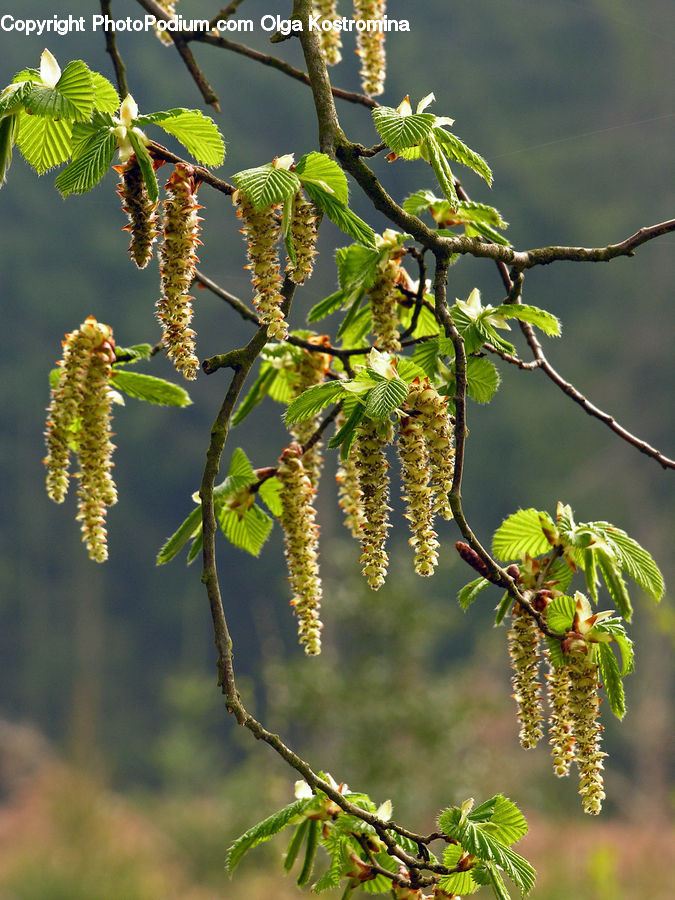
<point x="140" y="210"/>
<point x="331" y="39"/>
<point x="370" y="45"/>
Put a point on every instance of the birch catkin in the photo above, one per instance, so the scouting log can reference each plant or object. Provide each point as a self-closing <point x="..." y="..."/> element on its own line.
<point x="370" y="45"/>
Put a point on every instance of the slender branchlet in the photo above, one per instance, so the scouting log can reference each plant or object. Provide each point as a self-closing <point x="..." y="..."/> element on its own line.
<point x="373" y="470"/>
<point x="177" y="268"/>
<point x="560" y="734"/>
<point x="304" y="235"/>
<point x="584" y="706"/>
<point x="261" y="229"/>
<point x="79" y="421"/>
<point x="370" y="45"/>
<point x="523" y="642"/>
<point x="169" y="6"/>
<point x="310" y="370"/>
<point x="301" y="538"/>
<point x="140" y="209"/>
<point x="331" y="40"/>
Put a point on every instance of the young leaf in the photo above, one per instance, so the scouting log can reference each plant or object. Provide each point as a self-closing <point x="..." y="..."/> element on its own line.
<point x="188" y="529"/>
<point x="267" y="186"/>
<point x="483" y="379"/>
<point x="345" y="436"/>
<point x="258" y="391"/>
<point x="555" y="652"/>
<point x="502" y="817"/>
<point x="502" y="608"/>
<point x="150" y="388"/>
<point x="91" y="165"/>
<point x="295" y="844"/>
<point x="460" y="883"/>
<point x="521" y="533"/>
<point x="313" y="401"/>
<point x="342" y="216"/>
<point x="545" y="321"/>
<point x="144" y="161"/>
<point x="310" y="853"/>
<point x="611" y="679"/>
<point x="616" y="629"/>
<point x="615" y="584"/>
<point x="248" y="531"/>
<point x="385" y="397"/>
<point x="317" y="169"/>
<point x="8" y="129"/>
<point x="270" y="493"/>
<point x="195" y="548"/>
<point x="325" y="307"/>
<point x="496" y="882"/>
<point x="456" y="149"/>
<point x="106" y="98"/>
<point x="129" y="355"/>
<point x="442" y="170"/>
<point x="633" y="558"/>
<point x="239" y="474"/>
<point x="560" y="614"/>
<point x="471" y="591"/>
<point x="44" y="143"/>
<point x="76" y="84"/>
<point x="426" y="357"/>
<point x="399" y="132"/>
<point x="263" y="831"/>
<point x="197" y="133"/>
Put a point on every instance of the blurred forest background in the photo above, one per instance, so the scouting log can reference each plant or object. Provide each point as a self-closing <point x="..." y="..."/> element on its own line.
<point x="120" y="773"/>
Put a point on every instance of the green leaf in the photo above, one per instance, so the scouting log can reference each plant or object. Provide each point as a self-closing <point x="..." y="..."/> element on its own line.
<point x="502" y="817"/>
<point x="426" y="357"/>
<point x="270" y="493"/>
<point x="198" y="134"/>
<point x="385" y="397"/>
<point x="76" y="84"/>
<point x="521" y="533"/>
<point x="150" y="388"/>
<point x="106" y="98"/>
<point x="456" y="149"/>
<point x="497" y="882"/>
<point x="502" y="608"/>
<point x="358" y="267"/>
<point x="616" y="629"/>
<point x="13" y="96"/>
<point x="442" y="170"/>
<point x="636" y="561"/>
<point x="8" y="130"/>
<point x="560" y="614"/>
<point x="355" y="326"/>
<point x="342" y="216"/>
<point x="44" y="143"/>
<point x="258" y="391"/>
<point x="344" y="437"/>
<point x="611" y="679"/>
<point x="470" y="592"/>
<point x="489" y="334"/>
<point x="195" y="548"/>
<point x="615" y="584"/>
<point x="47" y="102"/>
<point x="310" y="853"/>
<point x="188" y="529"/>
<point x="313" y="400"/>
<point x="91" y="165"/>
<point x="419" y="202"/>
<point x="263" y="831"/>
<point x="248" y="531"/>
<point x="336" y="845"/>
<point x="460" y="883"/>
<point x="555" y="652"/>
<point x="325" y="307"/>
<point x="483" y="379"/>
<point x="319" y="170"/>
<point x="399" y="132"/>
<point x="266" y="186"/>
<point x="144" y="161"/>
<point x="545" y="321"/>
<point x="129" y="355"/>
<point x="240" y="474"/>
<point x="295" y="844"/>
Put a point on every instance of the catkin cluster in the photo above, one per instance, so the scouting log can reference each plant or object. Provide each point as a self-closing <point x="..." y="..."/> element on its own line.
<point x="301" y="539"/>
<point x="415" y="473"/>
<point x="384" y="296"/>
<point x="140" y="210"/>
<point x="79" y="421"/>
<point x="304" y="235"/>
<point x="523" y="643"/>
<point x="169" y="6"/>
<point x="560" y="734"/>
<point x="310" y="370"/>
<point x="261" y="229"/>
<point x="177" y="269"/>
<point x="370" y="46"/>
<point x="432" y="408"/>
<point x="331" y="40"/>
<point x="372" y="468"/>
<point x="584" y="708"/>
<point x="350" y="497"/>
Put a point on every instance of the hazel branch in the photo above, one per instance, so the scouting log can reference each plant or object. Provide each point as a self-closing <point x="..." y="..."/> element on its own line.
<point x="113" y="51"/>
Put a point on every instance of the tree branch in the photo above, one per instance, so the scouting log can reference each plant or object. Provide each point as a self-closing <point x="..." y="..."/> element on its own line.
<point x="111" y="48"/>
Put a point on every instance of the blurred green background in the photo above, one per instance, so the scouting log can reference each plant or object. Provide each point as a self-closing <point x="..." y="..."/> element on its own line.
<point x="120" y="774"/>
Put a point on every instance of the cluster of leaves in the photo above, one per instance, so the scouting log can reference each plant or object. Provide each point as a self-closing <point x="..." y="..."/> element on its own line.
<point x="549" y="552"/>
<point x="478" y="851"/>
<point x="53" y="116"/>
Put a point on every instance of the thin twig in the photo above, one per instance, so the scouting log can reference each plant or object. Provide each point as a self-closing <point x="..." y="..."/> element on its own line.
<point x="111" y="48"/>
<point x="186" y="54"/>
<point x="226" y="13"/>
<point x="203" y="174"/>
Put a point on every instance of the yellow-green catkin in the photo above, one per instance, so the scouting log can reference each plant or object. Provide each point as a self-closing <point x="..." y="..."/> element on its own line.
<point x="301" y="534"/>
<point x="261" y="229"/>
<point x="177" y="269"/>
<point x="414" y="456"/>
<point x="169" y="6"/>
<point x="331" y="40"/>
<point x="584" y="705"/>
<point x="373" y="471"/>
<point x="560" y="734"/>
<point x="370" y="46"/>
<point x="523" y="642"/>
<point x="350" y="497"/>
<point x="78" y="421"/>
<point x="383" y="298"/>
<point x="432" y="407"/>
<point x="140" y="209"/>
<point x="310" y="370"/>
<point x="304" y="234"/>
